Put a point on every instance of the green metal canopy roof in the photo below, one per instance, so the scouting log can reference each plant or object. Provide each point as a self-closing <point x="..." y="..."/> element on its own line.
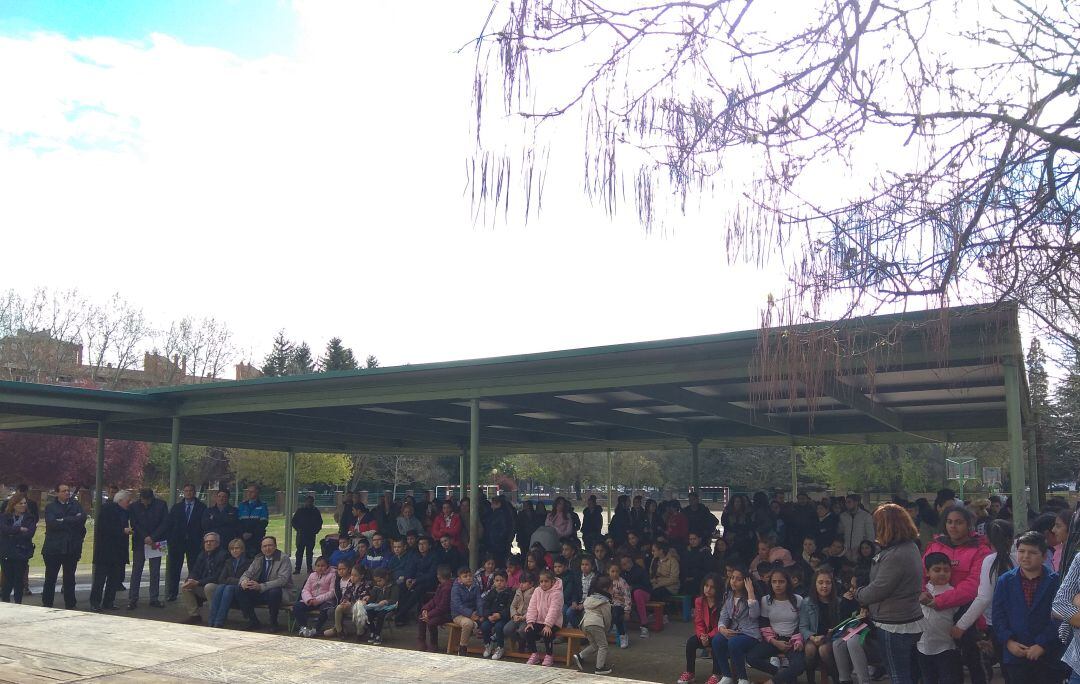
<point x="926" y="376"/>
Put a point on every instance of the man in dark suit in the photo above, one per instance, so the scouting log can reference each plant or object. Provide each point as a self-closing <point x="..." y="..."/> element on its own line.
<point x="185" y="537"/>
<point x="111" y="532"/>
<point x="150" y="522"/>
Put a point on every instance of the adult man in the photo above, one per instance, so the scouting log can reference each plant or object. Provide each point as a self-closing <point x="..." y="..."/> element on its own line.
<point x="111" y="532"/>
<point x="498" y="530"/>
<point x="65" y="528"/>
<point x="592" y="521"/>
<point x="202" y="577"/>
<point x="856" y="526"/>
<point x="307" y="521"/>
<point x="221" y="518"/>
<point x="402" y="568"/>
<point x="253" y="516"/>
<point x="150" y="525"/>
<point x="693" y="564"/>
<point x="699" y="518"/>
<point x="1023" y="623"/>
<point x="427" y="563"/>
<point x="185" y="537"/>
<point x="267" y="581"/>
<point x="637" y="515"/>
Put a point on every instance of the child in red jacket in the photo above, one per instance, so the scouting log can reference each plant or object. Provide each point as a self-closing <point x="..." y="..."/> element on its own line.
<point x="706" y="620"/>
<point x="435" y="612"/>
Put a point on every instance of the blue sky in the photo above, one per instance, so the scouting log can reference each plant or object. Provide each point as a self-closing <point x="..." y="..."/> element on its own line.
<point x="248" y="28"/>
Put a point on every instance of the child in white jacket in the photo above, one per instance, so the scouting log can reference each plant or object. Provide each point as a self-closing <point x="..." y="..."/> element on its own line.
<point x="596" y="623"/>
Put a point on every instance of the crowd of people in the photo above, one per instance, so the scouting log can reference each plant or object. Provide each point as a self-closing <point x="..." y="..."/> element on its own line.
<point x="923" y="591"/>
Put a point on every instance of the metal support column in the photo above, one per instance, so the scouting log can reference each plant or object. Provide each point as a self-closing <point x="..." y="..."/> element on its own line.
<point x="290" y="498"/>
<point x="461" y="473"/>
<point x="1037" y="491"/>
<point x="99" y="471"/>
<point x="174" y="462"/>
<point x="610" y="491"/>
<point x="695" y="466"/>
<point x="474" y="481"/>
<point x="794" y="472"/>
<point x="1017" y="478"/>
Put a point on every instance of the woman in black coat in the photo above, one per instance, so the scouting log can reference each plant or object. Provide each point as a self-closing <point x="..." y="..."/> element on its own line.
<point x="17" y="527"/>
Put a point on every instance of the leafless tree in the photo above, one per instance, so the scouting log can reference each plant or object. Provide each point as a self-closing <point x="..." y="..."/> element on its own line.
<point x="113" y="334"/>
<point x="910" y="151"/>
<point x="202" y="348"/>
<point x="45" y="329"/>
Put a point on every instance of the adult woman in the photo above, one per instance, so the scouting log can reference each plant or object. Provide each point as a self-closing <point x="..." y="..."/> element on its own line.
<point x="896" y="583"/>
<point x="560" y="519"/>
<point x="17" y="527"/>
<point x="996" y="563"/>
<point x="738" y="521"/>
<point x="653" y="524"/>
<point x="965" y="551"/>
<point x="408" y="521"/>
<point x="448" y="524"/>
<point x="620" y="522"/>
<point x="819" y="613"/>
<point x="525" y="525"/>
<point x="228" y="582"/>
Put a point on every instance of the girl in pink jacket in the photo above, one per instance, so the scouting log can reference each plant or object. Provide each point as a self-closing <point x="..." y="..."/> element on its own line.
<point x="544" y="617"/>
<point x="318" y="595"/>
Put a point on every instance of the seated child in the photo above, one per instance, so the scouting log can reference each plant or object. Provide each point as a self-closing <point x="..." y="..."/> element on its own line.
<point x="353" y="604"/>
<point x="620" y="603"/>
<point x="544" y="617"/>
<point x="515" y="629"/>
<point x="465" y="606"/>
<point x="435" y="612"/>
<point x="495" y="615"/>
<point x="382" y="601"/>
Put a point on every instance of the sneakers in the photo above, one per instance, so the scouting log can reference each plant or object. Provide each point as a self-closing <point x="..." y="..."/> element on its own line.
<point x="624" y="641"/>
<point x="666" y="620"/>
<point x="685" y="678"/>
<point x="533" y="659"/>
<point x="488" y="649"/>
<point x="498" y="654"/>
<point x="577" y="662"/>
<point x="744" y="681"/>
<point x="377" y="640"/>
<point x="603" y="670"/>
<point x="644" y="633"/>
<point x="714" y="680"/>
<point x="548" y="660"/>
<point x="775" y="662"/>
<point x="727" y="680"/>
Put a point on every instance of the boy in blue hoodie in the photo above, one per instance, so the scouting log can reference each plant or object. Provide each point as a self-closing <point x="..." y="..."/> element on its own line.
<point x="465" y="606"/>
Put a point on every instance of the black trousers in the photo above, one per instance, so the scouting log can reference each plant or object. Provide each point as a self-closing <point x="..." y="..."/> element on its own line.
<point x="941" y="668"/>
<point x="107" y="579"/>
<point x="177" y="554"/>
<point x="247" y="599"/>
<point x="53" y="565"/>
<point x="14" y="574"/>
<point x="302" y="545"/>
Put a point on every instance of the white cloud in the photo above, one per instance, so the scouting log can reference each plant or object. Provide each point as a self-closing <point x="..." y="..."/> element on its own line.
<point x="324" y="195"/>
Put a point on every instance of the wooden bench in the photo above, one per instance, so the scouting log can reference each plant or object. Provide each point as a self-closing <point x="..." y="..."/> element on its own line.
<point x="686" y="601"/>
<point x="572" y="636"/>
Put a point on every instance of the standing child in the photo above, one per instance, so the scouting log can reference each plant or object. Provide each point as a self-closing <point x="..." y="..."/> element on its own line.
<point x="939" y="658"/>
<point x="383" y="601"/>
<point x="544" y="617"/>
<point x="596" y="623"/>
<point x="620" y="603"/>
<point x="738" y="631"/>
<point x="515" y="629"/>
<point x="465" y="606"/>
<point x="496" y="614"/>
<point x="435" y="612"/>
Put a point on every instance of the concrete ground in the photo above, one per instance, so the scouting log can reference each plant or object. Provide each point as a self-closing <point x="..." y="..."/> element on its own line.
<point x="658" y="658"/>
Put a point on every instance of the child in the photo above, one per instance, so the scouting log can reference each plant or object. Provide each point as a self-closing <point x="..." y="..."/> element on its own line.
<point x="344" y="552"/>
<point x="664" y="571"/>
<point x="544" y="617"/>
<point x="738" y="631"/>
<point x="939" y="658"/>
<point x="601" y="557"/>
<point x="1025" y="628"/>
<point x="435" y="612"/>
<point x="495" y="615"/>
<point x="706" y="622"/>
<point x="638" y="580"/>
<point x="571" y="552"/>
<point x="849" y="654"/>
<point x="513" y="572"/>
<point x="834" y="555"/>
<point x="571" y="588"/>
<point x="620" y="603"/>
<point x="465" y="606"/>
<point x="596" y="623"/>
<point x="534" y="562"/>
<point x="865" y="555"/>
<point x="353" y="603"/>
<point x="779" y="630"/>
<point x="485" y="574"/>
<point x="586" y="578"/>
<point x="317" y="595"/>
<point x="514" y="630"/>
<point x="382" y="601"/>
<point x="448" y="554"/>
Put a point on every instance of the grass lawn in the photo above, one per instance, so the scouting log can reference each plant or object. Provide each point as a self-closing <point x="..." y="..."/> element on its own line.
<point x="276" y="528"/>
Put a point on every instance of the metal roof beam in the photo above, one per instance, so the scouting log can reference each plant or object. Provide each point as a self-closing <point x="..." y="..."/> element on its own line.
<point x="835" y="388"/>
<point x="608" y="414"/>
<point x="715" y="407"/>
<point x="509" y="418"/>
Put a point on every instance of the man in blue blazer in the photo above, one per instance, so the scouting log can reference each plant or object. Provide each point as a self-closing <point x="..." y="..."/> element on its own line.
<point x="1023" y="624"/>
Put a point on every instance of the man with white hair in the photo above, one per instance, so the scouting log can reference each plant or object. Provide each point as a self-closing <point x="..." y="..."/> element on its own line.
<point x="111" y="533"/>
<point x="202" y="577"/>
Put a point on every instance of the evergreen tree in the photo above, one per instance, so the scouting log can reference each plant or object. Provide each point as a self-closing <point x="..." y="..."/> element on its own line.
<point x="337" y="357"/>
<point x="1039" y="389"/>
<point x="1063" y="453"/>
<point x="277" y="361"/>
<point x="301" y="362"/>
<point x="371" y="362"/>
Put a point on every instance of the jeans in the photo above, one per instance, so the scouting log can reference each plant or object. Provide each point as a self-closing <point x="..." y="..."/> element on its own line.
<point x="618" y="620"/>
<point x="729" y="655"/>
<point x="1075" y="678"/>
<point x="300" y="612"/>
<point x="14" y="574"/>
<point x="941" y="668"/>
<point x="137" y="561"/>
<point x="493" y="632"/>
<point x="759" y="655"/>
<point x="896" y="652"/>
<point x="221" y="603"/>
<point x="377" y="616"/>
